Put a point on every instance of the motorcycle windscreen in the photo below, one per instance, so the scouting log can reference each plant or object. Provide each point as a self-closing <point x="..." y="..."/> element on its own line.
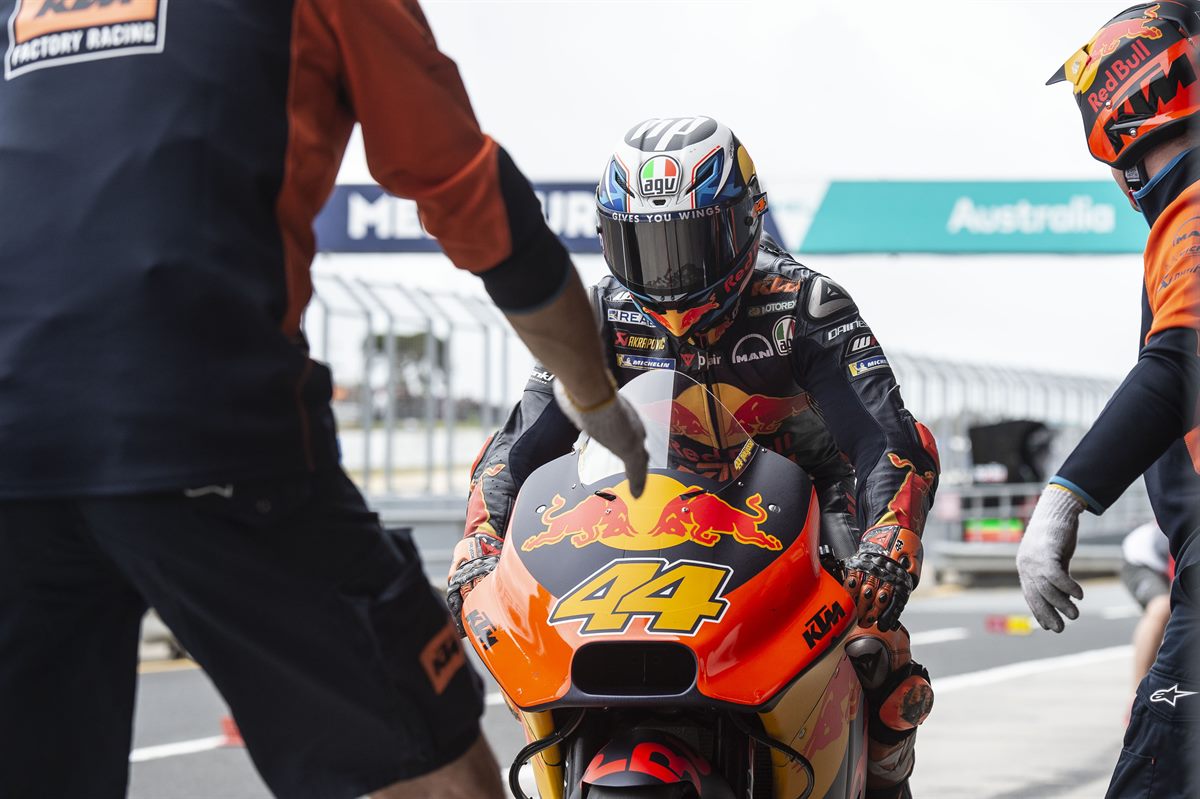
<point x="688" y="429"/>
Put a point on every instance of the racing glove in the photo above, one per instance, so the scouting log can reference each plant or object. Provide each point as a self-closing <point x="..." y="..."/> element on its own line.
<point x="474" y="558"/>
<point x="1044" y="555"/>
<point x="882" y="574"/>
<point x="615" y="424"/>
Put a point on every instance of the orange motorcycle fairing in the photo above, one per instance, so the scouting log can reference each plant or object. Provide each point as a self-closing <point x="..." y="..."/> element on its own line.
<point x="715" y="590"/>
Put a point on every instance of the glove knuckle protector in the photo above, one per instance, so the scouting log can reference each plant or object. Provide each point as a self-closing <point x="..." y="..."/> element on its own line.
<point x="883" y="573"/>
<point x="476" y="556"/>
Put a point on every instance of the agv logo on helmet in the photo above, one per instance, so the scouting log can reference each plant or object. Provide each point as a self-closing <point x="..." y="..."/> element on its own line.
<point x="659" y="177"/>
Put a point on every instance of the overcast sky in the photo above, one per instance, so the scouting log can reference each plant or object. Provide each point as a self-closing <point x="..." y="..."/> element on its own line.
<point x="819" y="91"/>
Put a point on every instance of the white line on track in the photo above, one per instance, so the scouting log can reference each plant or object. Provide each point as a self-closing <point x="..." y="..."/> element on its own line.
<point x="1025" y="668"/>
<point x="956" y="682"/>
<point x="927" y="637"/>
<point x="178" y="748"/>
<point x="1121" y="612"/>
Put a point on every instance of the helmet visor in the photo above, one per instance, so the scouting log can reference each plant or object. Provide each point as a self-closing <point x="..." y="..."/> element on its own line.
<point x="669" y="257"/>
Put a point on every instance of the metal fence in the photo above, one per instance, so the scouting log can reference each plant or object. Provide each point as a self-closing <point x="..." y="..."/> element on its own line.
<point x="419" y="376"/>
<point x="424" y="377"/>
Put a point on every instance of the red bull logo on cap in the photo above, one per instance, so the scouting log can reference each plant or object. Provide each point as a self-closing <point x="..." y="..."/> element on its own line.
<point x="668" y="514"/>
<point x="1083" y="68"/>
<point x="1108" y="40"/>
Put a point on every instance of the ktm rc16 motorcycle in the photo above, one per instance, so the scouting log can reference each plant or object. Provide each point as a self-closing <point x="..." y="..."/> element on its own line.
<point x="687" y="643"/>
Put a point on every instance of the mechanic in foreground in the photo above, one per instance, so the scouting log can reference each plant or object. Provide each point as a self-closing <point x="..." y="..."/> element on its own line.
<point x="706" y="292"/>
<point x="166" y="440"/>
<point x="1135" y="83"/>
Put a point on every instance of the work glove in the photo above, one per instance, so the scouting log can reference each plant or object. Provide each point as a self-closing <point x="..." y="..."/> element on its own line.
<point x="1044" y="555"/>
<point x="474" y="558"/>
<point x="615" y="424"/>
<point x="882" y="573"/>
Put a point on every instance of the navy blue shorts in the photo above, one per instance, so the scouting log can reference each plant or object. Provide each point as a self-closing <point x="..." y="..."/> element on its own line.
<point x="1159" y="759"/>
<point x="337" y="658"/>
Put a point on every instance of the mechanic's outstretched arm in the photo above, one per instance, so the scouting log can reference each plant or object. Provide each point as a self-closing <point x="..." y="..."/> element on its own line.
<point x="839" y="361"/>
<point x="423" y="142"/>
<point x="1147" y="418"/>
<point x="560" y="336"/>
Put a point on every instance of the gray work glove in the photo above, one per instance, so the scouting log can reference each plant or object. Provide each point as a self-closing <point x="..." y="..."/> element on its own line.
<point x="1044" y="555"/>
<point x="615" y="424"/>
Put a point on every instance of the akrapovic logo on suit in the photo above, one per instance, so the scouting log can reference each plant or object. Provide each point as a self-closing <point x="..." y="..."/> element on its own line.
<point x="50" y="33"/>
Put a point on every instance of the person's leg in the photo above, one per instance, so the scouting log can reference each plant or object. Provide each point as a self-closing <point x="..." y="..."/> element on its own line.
<point x="1151" y="590"/>
<point x="900" y="697"/>
<point x="472" y="776"/>
<point x="1148" y="636"/>
<point x="340" y="664"/>
<point x="1159" y="755"/>
<point x="68" y="658"/>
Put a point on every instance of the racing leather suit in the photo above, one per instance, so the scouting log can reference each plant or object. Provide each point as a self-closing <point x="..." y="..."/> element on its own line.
<point x="803" y="373"/>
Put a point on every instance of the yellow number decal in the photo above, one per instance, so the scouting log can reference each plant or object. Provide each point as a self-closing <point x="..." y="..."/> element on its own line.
<point x="677" y="598"/>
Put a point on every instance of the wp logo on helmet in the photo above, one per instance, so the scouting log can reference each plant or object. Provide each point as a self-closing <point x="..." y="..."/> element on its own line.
<point x="657" y="135"/>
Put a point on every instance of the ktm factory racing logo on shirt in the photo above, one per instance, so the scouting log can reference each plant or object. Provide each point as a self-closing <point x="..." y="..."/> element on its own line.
<point x="50" y="33"/>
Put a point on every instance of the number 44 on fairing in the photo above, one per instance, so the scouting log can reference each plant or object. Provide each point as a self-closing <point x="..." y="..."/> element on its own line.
<point x="676" y="598"/>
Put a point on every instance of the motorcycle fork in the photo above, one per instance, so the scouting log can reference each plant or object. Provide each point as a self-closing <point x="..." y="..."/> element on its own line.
<point x="735" y="756"/>
<point x="580" y="748"/>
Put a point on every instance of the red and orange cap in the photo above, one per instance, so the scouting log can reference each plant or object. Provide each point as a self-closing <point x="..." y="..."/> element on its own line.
<point x="1136" y="79"/>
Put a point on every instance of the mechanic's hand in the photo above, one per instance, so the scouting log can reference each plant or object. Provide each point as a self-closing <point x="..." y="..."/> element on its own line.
<point x="1044" y="555"/>
<point x="616" y="425"/>
<point x="880" y="586"/>
<point x="474" y="558"/>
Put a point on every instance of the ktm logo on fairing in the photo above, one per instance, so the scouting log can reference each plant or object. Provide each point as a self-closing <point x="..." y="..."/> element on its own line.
<point x="822" y="622"/>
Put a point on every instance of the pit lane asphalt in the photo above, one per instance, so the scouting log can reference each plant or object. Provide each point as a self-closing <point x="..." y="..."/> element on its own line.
<point x="176" y="703"/>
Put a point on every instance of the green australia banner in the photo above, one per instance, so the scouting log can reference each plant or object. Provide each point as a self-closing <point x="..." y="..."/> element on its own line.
<point x="975" y="217"/>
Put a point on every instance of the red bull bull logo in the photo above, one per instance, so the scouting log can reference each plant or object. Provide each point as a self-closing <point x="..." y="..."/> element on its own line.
<point x="668" y="514"/>
<point x="761" y="415"/>
<point x="679" y="322"/>
<point x="1084" y="67"/>
<point x="1108" y="40"/>
<point x="756" y="414"/>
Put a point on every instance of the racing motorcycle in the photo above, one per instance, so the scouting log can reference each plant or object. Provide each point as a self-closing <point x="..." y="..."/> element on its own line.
<point x="689" y="643"/>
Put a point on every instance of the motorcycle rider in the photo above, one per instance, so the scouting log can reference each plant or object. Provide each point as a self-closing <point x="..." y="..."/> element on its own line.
<point x="697" y="286"/>
<point x="1135" y="83"/>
